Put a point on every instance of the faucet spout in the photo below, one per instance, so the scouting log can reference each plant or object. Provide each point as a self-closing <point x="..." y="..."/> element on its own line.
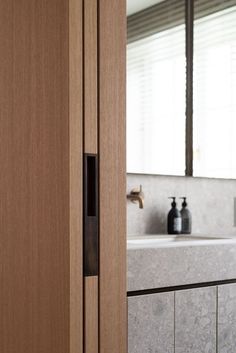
<point x="137" y="196"/>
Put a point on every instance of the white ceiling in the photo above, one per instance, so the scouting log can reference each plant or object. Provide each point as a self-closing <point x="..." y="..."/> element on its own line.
<point x="138" y="5"/>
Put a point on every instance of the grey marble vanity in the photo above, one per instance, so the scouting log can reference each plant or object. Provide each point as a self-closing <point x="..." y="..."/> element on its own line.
<point x="153" y="263"/>
<point x="180" y="295"/>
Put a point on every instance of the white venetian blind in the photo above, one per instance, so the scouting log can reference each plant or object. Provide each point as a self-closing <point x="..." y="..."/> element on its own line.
<point x="214" y="115"/>
<point x="156" y="96"/>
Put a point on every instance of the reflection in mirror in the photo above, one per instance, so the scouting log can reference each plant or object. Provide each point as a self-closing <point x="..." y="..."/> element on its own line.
<point x="156" y="82"/>
<point x="214" y="116"/>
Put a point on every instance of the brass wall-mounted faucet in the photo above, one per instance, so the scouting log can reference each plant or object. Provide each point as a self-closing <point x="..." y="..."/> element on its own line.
<point x="137" y="196"/>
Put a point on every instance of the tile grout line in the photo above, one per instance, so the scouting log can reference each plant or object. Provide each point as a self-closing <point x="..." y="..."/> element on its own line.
<point x="217" y="313"/>
<point x="174" y="318"/>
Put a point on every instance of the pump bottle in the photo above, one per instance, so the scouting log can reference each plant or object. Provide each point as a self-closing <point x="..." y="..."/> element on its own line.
<point x="186" y="218"/>
<point x="174" y="219"/>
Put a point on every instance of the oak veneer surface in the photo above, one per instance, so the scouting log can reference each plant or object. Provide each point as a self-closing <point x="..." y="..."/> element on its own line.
<point x="112" y="284"/>
<point x="90" y="76"/>
<point x="91" y="314"/>
<point x="35" y="177"/>
<point x="76" y="172"/>
<point x="90" y="146"/>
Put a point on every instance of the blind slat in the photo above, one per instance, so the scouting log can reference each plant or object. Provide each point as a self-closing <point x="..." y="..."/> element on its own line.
<point x="169" y="14"/>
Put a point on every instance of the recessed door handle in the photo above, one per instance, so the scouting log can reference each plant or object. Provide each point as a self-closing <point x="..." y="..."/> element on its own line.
<point x="90" y="200"/>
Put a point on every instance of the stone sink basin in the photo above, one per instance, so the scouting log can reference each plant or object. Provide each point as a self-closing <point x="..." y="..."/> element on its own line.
<point x="160" y="261"/>
<point x="148" y="241"/>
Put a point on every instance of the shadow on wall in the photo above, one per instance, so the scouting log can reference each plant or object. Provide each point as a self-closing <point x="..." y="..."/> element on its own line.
<point x="156" y="223"/>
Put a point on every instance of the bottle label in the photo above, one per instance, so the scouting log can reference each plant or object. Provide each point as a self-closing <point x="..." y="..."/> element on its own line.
<point x="185" y="224"/>
<point x="177" y="224"/>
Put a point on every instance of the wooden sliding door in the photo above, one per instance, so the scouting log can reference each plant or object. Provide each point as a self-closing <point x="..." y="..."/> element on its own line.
<point x="41" y="176"/>
<point x="62" y="110"/>
<point x="91" y="149"/>
<point x="104" y="133"/>
<point x="112" y="150"/>
<point x="76" y="107"/>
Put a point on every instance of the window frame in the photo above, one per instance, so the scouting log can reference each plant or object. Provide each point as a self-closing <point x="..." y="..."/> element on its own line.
<point x="150" y="25"/>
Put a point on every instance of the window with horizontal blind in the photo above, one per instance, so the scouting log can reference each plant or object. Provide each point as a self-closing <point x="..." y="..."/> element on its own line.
<point x="156" y="89"/>
<point x="214" y="92"/>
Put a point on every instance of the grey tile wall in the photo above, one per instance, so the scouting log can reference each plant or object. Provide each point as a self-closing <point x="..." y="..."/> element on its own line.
<point x="211" y="202"/>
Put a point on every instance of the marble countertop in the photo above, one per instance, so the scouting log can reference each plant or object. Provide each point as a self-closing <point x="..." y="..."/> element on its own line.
<point x="156" y="262"/>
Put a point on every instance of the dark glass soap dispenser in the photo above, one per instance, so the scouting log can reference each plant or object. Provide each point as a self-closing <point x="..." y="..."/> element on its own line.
<point x="186" y="218"/>
<point x="174" y="223"/>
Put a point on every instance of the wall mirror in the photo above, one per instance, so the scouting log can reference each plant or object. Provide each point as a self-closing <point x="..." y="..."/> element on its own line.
<point x="181" y="87"/>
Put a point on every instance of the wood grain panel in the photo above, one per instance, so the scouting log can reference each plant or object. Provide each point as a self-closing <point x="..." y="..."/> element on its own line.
<point x="35" y="179"/>
<point x="112" y="284"/>
<point x="76" y="174"/>
<point x="90" y="146"/>
<point x="91" y="314"/>
<point x="90" y="76"/>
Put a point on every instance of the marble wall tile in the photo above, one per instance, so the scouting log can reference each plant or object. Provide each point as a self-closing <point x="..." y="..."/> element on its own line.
<point x="227" y="318"/>
<point x="211" y="202"/>
<point x="151" y="323"/>
<point x="195" y="321"/>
